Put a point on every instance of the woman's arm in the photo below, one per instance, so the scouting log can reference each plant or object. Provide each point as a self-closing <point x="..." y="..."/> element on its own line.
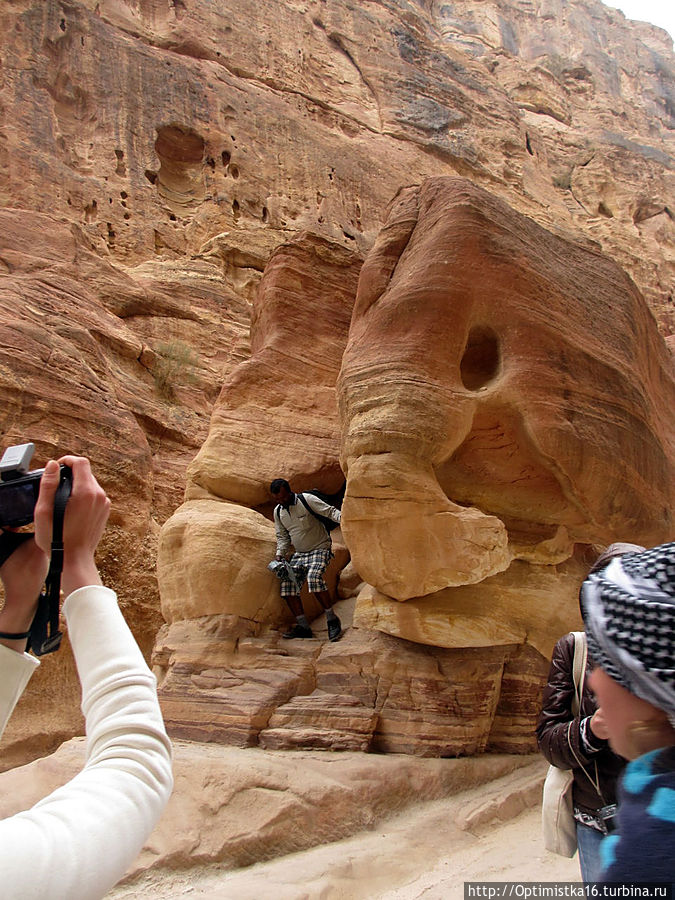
<point x="15" y="672"/>
<point x="80" y="840"/>
<point x="556" y="739"/>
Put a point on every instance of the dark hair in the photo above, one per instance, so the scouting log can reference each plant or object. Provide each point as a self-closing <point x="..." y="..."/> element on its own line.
<point x="605" y="558"/>
<point x="611" y="552"/>
<point x="278" y="484"/>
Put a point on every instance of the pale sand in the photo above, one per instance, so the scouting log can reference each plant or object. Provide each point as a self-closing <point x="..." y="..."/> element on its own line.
<point x="425" y="852"/>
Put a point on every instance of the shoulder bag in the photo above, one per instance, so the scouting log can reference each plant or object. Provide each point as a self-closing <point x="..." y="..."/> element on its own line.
<point x="557" y="812"/>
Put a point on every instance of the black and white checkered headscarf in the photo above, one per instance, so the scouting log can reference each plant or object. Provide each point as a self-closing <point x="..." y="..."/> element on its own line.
<point x="629" y="615"/>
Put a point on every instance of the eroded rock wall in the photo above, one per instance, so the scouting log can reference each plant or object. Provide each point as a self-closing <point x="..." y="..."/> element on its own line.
<point x="504" y="395"/>
<point x="157" y="126"/>
<point x="504" y="405"/>
<point x="154" y="154"/>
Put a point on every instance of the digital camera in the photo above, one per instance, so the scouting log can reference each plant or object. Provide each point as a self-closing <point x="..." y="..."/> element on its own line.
<point x="607" y="816"/>
<point x="19" y="488"/>
<point x="279" y="567"/>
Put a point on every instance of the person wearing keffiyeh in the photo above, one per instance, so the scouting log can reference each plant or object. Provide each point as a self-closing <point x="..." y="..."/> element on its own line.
<point x="629" y="615"/>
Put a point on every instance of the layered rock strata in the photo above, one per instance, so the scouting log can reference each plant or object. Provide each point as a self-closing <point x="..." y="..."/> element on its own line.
<point x="505" y="395"/>
<point x="370" y="692"/>
<point x="154" y="154"/>
<point x="485" y="383"/>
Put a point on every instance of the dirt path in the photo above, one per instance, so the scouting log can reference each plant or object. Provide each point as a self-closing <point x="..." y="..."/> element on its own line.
<point x="424" y="853"/>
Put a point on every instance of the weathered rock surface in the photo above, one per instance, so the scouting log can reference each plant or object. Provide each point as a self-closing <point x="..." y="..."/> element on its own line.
<point x="487" y="380"/>
<point x="525" y="604"/>
<point x="429" y="850"/>
<point x="157" y="127"/>
<point x="276" y="415"/>
<point x="504" y="395"/>
<point x="277" y="411"/>
<point x="91" y="363"/>
<point x="221" y="681"/>
<point x="153" y="156"/>
<point x="237" y="807"/>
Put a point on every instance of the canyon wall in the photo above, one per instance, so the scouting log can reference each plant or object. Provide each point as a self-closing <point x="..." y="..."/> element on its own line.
<point x="156" y="157"/>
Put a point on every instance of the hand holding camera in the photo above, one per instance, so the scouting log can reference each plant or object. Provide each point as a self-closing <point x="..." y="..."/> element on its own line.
<point x="26" y="496"/>
<point x="85" y="520"/>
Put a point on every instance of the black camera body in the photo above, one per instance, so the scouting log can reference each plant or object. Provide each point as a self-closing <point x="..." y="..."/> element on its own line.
<point x="607" y="816"/>
<point x="19" y="488"/>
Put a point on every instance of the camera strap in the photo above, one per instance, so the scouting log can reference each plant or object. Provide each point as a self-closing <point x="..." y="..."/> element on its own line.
<point x="45" y="636"/>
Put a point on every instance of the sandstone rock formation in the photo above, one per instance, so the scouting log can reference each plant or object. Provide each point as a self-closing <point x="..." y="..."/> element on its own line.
<point x="89" y="364"/>
<point x="370" y="692"/>
<point x="156" y="126"/>
<point x="238" y="807"/>
<point x="496" y="423"/>
<point x="153" y="156"/>
<point x="276" y="415"/>
<point x="505" y="395"/>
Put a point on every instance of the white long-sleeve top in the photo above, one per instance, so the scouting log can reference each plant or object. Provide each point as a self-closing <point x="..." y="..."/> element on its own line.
<point x="79" y="841"/>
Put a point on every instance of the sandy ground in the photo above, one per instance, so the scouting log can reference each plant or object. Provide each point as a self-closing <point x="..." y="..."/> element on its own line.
<point x="425" y="853"/>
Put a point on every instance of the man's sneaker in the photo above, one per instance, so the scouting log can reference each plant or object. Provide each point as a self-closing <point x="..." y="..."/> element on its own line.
<point x="298" y="631"/>
<point x="334" y="628"/>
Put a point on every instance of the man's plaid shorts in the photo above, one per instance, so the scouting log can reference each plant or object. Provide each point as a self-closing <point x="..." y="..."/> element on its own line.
<point x="310" y="565"/>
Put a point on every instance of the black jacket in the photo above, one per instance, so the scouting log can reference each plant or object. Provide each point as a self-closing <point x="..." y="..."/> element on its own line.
<point x="552" y="736"/>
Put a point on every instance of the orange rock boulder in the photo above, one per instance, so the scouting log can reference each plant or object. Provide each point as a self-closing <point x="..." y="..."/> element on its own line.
<point x="505" y="395"/>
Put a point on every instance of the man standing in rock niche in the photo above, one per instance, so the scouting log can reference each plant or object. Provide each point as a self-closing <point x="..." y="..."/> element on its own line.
<point x="295" y="524"/>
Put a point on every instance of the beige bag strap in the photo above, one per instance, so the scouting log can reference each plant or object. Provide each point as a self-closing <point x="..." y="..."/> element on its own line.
<point x="579" y="676"/>
<point x="579" y="669"/>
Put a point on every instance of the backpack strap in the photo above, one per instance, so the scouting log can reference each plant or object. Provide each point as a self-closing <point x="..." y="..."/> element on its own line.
<point x="315" y="514"/>
<point x="579" y="675"/>
<point x="304" y="502"/>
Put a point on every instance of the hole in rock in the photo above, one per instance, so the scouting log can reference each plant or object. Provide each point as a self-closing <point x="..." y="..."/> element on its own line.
<point x="528" y="145"/>
<point x="235" y="210"/>
<point x="604" y="211"/>
<point x="234" y="172"/>
<point x="151" y="176"/>
<point x="481" y="360"/>
<point x="265" y="214"/>
<point x="180" y="181"/>
<point x="226" y="157"/>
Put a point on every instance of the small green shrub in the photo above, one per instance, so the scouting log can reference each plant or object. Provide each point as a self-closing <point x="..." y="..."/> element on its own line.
<point x="175" y="364"/>
<point x="563" y="181"/>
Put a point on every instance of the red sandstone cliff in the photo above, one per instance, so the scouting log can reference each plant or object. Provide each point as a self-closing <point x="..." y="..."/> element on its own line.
<point x="155" y="154"/>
